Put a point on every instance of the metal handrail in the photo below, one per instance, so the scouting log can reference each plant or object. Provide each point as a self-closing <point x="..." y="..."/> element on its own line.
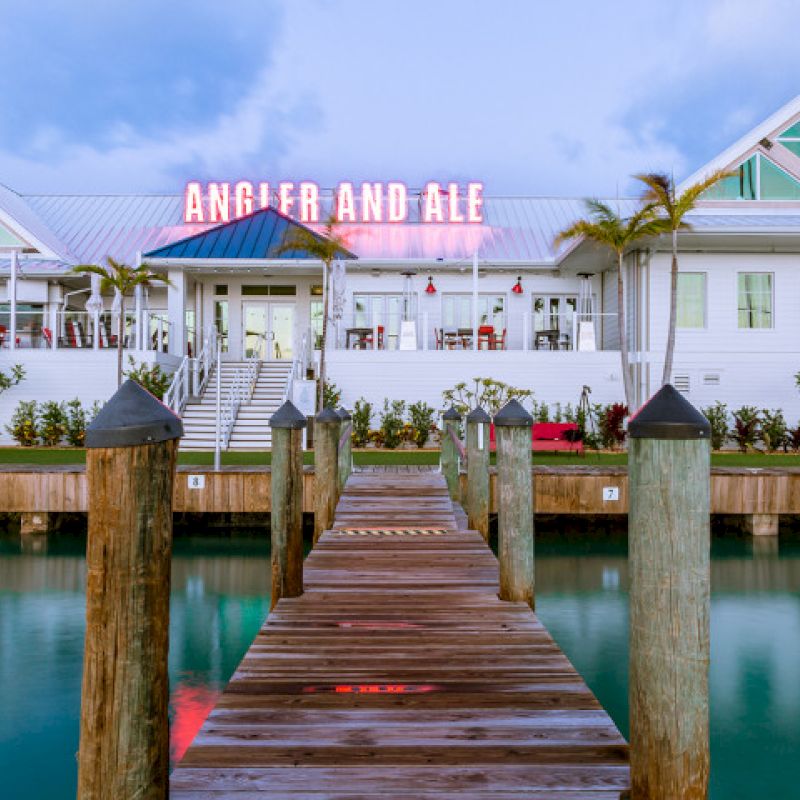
<point x="177" y="394"/>
<point x="297" y="368"/>
<point x="241" y="391"/>
<point x="205" y="361"/>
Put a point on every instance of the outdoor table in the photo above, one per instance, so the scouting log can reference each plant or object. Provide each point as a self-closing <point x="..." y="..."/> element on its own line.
<point x="360" y="335"/>
<point x="551" y="335"/>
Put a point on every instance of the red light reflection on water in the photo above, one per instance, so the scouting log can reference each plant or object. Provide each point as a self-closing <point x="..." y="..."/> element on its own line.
<point x="190" y="705"/>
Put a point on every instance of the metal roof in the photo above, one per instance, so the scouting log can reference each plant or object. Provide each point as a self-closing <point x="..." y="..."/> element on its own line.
<point x="264" y="234"/>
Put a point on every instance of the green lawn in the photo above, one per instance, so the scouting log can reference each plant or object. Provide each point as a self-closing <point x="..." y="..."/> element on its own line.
<point x="43" y="455"/>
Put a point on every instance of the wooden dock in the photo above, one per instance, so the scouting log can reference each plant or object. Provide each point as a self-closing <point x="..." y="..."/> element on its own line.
<point x="400" y="674"/>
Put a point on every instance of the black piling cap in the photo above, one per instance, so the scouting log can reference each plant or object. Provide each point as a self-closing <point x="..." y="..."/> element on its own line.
<point x="478" y="415"/>
<point x="133" y="417"/>
<point x="328" y="414"/>
<point x="344" y="415"/>
<point x="452" y="414"/>
<point x="287" y="416"/>
<point x="668" y="415"/>
<point x="512" y="414"/>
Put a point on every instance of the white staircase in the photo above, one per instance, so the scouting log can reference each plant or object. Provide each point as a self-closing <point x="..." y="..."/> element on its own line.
<point x="251" y="429"/>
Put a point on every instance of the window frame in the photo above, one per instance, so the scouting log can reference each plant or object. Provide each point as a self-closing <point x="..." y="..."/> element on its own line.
<point x="739" y="274"/>
<point x="704" y="326"/>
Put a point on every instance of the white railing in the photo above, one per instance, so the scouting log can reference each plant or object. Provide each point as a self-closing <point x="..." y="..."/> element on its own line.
<point x="205" y="361"/>
<point x="177" y="395"/>
<point x="241" y="391"/>
<point x="299" y="366"/>
<point x="191" y="377"/>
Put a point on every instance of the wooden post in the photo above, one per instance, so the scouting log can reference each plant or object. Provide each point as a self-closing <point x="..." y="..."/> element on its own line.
<point x="326" y="469"/>
<point x="130" y="465"/>
<point x="449" y="458"/>
<point x="668" y="550"/>
<point x="478" y="471"/>
<point x="286" y="516"/>
<point x="512" y="426"/>
<point x="346" y="449"/>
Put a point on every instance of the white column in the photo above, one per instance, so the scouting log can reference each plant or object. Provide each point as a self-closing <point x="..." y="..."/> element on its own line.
<point x="53" y="311"/>
<point x="525" y="335"/>
<point x="12" y="302"/>
<point x="198" y="318"/>
<point x="176" y="311"/>
<point x="140" y="341"/>
<point x="475" y="301"/>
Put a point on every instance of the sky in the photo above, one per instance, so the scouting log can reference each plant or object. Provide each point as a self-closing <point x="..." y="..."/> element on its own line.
<point x="531" y="97"/>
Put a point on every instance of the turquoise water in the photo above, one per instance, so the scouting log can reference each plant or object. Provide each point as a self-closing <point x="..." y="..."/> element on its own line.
<point x="220" y="596"/>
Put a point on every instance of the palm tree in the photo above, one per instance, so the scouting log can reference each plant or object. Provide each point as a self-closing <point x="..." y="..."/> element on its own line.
<point x="672" y="208"/>
<point x="610" y="229"/>
<point x="124" y="279"/>
<point x="326" y="246"/>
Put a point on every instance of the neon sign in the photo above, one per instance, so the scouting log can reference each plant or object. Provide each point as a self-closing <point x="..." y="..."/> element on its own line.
<point x="366" y="202"/>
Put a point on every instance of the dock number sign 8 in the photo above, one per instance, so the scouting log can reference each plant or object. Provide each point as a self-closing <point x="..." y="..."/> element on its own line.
<point x="610" y="493"/>
<point x="197" y="481"/>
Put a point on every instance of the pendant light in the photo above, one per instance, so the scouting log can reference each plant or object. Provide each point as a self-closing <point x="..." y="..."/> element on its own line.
<point x="430" y="288"/>
<point x="517" y="287"/>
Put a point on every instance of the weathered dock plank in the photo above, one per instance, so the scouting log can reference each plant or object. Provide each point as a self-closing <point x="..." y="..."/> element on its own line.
<point x="400" y="674"/>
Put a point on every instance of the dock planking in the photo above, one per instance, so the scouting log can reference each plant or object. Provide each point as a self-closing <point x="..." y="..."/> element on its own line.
<point x="399" y="674"/>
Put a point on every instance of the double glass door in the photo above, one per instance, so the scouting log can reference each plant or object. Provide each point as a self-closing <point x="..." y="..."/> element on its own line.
<point x="267" y="330"/>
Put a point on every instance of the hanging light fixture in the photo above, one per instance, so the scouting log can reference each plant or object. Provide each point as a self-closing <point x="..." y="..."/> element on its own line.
<point x="517" y="287"/>
<point x="430" y="288"/>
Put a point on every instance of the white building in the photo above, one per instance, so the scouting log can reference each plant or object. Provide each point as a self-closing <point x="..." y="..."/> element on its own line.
<point x="423" y="305"/>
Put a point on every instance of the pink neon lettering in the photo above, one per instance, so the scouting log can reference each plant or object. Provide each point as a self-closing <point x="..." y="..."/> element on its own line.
<point x="397" y="202"/>
<point x="474" y="202"/>
<point x="263" y="191"/>
<point x="243" y="198"/>
<point x="219" y="202"/>
<point x="285" y="199"/>
<point x="193" y="203"/>
<point x="309" y="202"/>
<point x="432" y="207"/>
<point x="452" y="202"/>
<point x="372" y="202"/>
<point x="345" y="203"/>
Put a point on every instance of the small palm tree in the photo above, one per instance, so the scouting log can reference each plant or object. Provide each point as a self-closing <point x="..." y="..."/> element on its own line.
<point x="124" y="279"/>
<point x="327" y="245"/>
<point x="672" y="208"/>
<point x="610" y="229"/>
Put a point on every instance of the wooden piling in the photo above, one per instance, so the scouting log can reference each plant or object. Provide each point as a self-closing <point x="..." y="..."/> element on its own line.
<point x="124" y="732"/>
<point x="477" y="494"/>
<point x="512" y="426"/>
<point x="345" y="448"/>
<point x="451" y="420"/>
<point x="669" y="554"/>
<point x="327" y="425"/>
<point x="286" y="516"/>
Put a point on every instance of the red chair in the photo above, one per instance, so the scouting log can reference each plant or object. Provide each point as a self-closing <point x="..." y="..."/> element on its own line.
<point x="3" y="332"/>
<point x="500" y="341"/>
<point x="486" y="334"/>
<point x="48" y="336"/>
<point x="369" y="339"/>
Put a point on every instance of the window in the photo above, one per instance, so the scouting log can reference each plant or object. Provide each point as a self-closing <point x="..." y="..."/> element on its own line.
<point x="316" y="322"/>
<point x="457" y="310"/>
<point x="691" y="310"/>
<point x="755" y="299"/>
<point x="739" y="186"/>
<point x="386" y="310"/>
<point x="554" y="313"/>
<point x="221" y="321"/>
<point x="221" y="289"/>
<point x="758" y="178"/>
<point x="272" y="291"/>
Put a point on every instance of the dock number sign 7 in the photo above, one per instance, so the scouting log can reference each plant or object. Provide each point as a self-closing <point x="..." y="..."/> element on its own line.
<point x="197" y="482"/>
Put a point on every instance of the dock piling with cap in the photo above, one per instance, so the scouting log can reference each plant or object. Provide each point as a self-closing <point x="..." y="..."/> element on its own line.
<point x="286" y="516"/>
<point x="669" y="544"/>
<point x="124" y="732"/>
<point x="451" y="420"/>
<point x="512" y="425"/>
<point x="327" y="426"/>
<point x="477" y="491"/>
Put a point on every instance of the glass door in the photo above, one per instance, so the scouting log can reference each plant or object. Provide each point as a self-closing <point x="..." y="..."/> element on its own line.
<point x="281" y="339"/>
<point x="254" y="329"/>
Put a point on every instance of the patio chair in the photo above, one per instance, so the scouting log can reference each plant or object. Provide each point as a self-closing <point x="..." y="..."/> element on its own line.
<point x="369" y="338"/>
<point x="439" y="334"/>
<point x="48" y="336"/>
<point x="500" y="340"/>
<point x="3" y="333"/>
<point x="486" y="334"/>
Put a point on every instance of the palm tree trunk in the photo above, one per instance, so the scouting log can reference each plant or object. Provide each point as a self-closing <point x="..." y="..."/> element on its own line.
<point x="627" y="382"/>
<point x="120" y="328"/>
<point x="324" y="341"/>
<point x="673" y="311"/>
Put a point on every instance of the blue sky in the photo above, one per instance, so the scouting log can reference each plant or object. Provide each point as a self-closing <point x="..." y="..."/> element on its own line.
<point x="530" y="97"/>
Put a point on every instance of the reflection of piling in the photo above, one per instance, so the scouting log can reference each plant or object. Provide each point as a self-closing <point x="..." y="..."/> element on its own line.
<point x="449" y="457"/>
<point x="345" y="448"/>
<point x="286" y="516"/>
<point x="477" y="505"/>
<point x="669" y="554"/>
<point x="130" y="465"/>
<point x="512" y="425"/>
<point x="327" y="426"/>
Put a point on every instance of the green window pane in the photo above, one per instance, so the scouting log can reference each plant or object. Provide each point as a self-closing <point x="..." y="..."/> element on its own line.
<point x="8" y="239"/>
<point x="691" y="308"/>
<point x="794" y="131"/>
<point x="755" y="299"/>
<point x="777" y="184"/>
<point x="740" y="186"/>
<point x="793" y="146"/>
<point x="255" y="291"/>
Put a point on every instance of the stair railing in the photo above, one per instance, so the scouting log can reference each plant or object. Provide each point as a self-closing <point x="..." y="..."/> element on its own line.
<point x="177" y="394"/>
<point x="205" y="362"/>
<point x="297" y="369"/>
<point x="241" y="391"/>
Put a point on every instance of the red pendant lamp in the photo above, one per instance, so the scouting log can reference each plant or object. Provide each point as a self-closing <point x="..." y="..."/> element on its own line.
<point x="430" y="288"/>
<point x="517" y="287"/>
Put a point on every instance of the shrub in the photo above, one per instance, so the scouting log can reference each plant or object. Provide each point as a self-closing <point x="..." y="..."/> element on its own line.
<point x="486" y="392"/>
<point x="773" y="429"/>
<point x="745" y="427"/>
<point x="331" y="395"/>
<point x="150" y="377"/>
<point x="422" y="418"/>
<point x="717" y="416"/>
<point x="23" y="424"/>
<point x="392" y="423"/>
<point x="609" y="423"/>
<point x="52" y="423"/>
<point x="558" y="414"/>
<point x="362" y="416"/>
<point x="793" y="438"/>
<point x="76" y="421"/>
<point x="542" y="413"/>
<point x="12" y="378"/>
